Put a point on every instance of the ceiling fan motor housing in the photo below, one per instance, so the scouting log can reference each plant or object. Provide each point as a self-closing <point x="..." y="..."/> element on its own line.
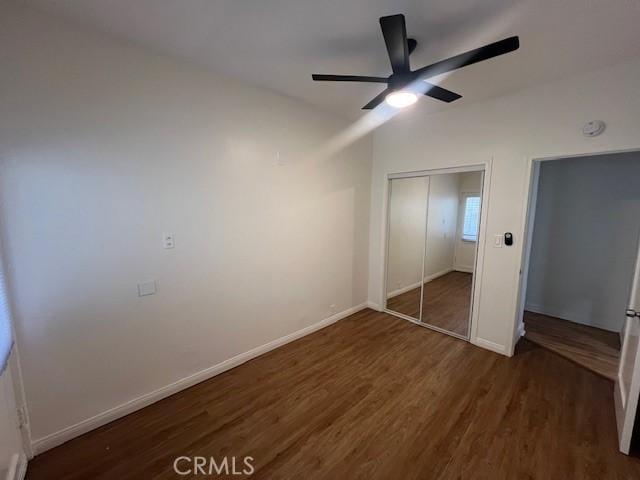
<point x="398" y="81"/>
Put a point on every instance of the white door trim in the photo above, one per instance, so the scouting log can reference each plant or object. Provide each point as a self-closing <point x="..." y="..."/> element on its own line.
<point x="480" y="248"/>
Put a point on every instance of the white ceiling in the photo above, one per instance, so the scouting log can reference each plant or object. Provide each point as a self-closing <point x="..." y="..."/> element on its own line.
<point x="278" y="44"/>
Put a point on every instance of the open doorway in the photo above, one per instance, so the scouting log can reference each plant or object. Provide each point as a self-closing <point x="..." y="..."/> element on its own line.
<point x="580" y="260"/>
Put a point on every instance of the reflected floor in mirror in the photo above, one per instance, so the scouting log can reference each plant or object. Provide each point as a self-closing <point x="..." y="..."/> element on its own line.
<point x="407" y="303"/>
<point x="447" y="300"/>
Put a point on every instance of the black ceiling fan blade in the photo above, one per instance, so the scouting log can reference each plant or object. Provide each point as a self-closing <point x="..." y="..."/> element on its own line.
<point x="318" y="77"/>
<point x="439" y="93"/>
<point x="394" y="31"/>
<point x="412" y="43"/>
<point x="377" y="100"/>
<point x="468" y="58"/>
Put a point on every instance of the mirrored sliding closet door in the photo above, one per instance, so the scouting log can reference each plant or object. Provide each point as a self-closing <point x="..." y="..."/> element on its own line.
<point x="405" y="245"/>
<point x="434" y="221"/>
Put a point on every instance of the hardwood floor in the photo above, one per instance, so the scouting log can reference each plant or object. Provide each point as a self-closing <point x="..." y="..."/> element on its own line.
<point x="595" y="349"/>
<point x="407" y="303"/>
<point x="447" y="302"/>
<point x="371" y="397"/>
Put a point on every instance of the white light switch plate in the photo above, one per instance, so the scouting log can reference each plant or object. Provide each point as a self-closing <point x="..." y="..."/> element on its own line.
<point x="147" y="288"/>
<point x="168" y="240"/>
<point x="497" y="241"/>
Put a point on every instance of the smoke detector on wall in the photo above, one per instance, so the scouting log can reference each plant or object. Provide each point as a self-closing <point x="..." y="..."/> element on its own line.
<point x="593" y="128"/>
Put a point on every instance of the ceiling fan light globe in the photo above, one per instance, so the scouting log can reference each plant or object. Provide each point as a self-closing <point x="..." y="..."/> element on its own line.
<point x="401" y="99"/>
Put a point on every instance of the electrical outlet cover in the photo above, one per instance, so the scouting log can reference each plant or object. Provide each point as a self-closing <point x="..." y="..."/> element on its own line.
<point x="147" y="288"/>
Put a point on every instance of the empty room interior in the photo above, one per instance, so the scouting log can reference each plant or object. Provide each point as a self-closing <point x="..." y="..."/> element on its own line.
<point x="344" y="239"/>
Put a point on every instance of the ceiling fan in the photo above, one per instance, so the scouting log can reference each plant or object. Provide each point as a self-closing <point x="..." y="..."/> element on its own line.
<point x="401" y="84"/>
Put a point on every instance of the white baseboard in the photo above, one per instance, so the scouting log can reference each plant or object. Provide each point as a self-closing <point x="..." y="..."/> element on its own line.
<point x="402" y="290"/>
<point x="17" y="467"/>
<point x="374" y="306"/>
<point x="567" y="315"/>
<point x="552" y="312"/>
<point x="433" y="276"/>
<point x="57" y="438"/>
<point x="488" y="345"/>
<point x="464" y="269"/>
<point x="427" y="279"/>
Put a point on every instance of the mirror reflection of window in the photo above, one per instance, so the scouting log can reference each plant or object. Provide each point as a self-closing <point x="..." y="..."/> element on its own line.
<point x="471" y="220"/>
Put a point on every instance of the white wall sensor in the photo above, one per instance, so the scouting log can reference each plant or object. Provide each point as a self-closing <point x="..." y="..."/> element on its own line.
<point x="593" y="128"/>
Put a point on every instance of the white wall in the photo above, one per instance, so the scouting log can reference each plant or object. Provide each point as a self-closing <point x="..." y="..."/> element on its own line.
<point x="105" y="147"/>
<point x="441" y="224"/>
<point x="465" y="252"/>
<point x="407" y="215"/>
<point x="507" y="132"/>
<point x="585" y="239"/>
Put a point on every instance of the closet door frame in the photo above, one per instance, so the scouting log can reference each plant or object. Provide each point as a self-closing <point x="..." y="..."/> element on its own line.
<point x="484" y="167"/>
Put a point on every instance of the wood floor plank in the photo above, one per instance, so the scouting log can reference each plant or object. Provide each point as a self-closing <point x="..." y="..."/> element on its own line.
<point x="371" y="397"/>
<point x="595" y="349"/>
<point x="446" y="302"/>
